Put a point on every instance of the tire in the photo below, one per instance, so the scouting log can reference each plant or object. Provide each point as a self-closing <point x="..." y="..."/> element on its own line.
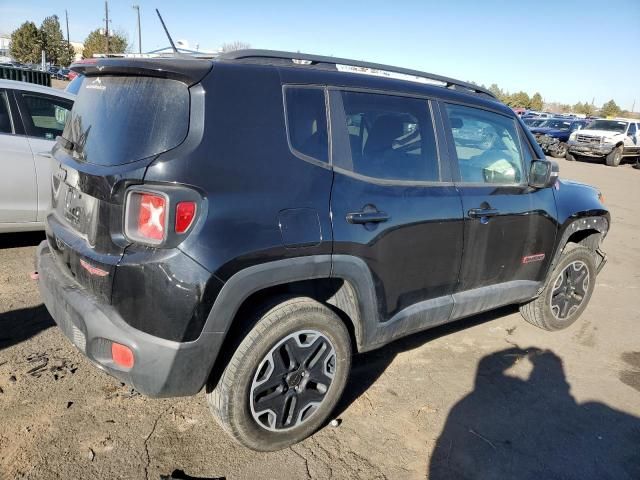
<point x="569" y="157"/>
<point x="546" y="311"/>
<point x="563" y="152"/>
<point x="302" y="327"/>
<point x="615" y="157"/>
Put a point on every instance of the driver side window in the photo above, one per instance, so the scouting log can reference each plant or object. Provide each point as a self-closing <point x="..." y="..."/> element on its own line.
<point x="487" y="146"/>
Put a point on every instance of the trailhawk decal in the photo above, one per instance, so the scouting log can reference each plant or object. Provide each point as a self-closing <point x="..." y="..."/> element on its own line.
<point x="538" y="257"/>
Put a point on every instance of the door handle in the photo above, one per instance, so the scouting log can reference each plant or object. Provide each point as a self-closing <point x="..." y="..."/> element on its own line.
<point x="367" y="217"/>
<point x="483" y="212"/>
<point x="44" y="154"/>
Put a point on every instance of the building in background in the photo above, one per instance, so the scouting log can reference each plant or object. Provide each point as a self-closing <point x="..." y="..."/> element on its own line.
<point x="5" y="41"/>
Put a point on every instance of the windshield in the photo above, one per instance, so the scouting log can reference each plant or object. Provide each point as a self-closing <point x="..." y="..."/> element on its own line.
<point x="117" y="120"/>
<point x="556" y="124"/>
<point x="609" y="125"/>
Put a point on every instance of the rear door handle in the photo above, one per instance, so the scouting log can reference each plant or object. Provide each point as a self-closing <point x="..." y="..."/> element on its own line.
<point x="483" y="212"/>
<point x="367" y="217"/>
<point x="44" y="154"/>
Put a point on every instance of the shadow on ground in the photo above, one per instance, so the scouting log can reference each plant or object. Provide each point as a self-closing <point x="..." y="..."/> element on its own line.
<point x="368" y="367"/>
<point x="530" y="429"/>
<point x="15" y="240"/>
<point x="19" y="325"/>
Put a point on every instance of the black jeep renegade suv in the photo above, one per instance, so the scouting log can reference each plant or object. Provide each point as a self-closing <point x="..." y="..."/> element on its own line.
<point x="246" y="224"/>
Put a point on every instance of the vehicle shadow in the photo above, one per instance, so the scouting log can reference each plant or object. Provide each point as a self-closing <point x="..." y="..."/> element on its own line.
<point x="508" y="427"/>
<point x="367" y="367"/>
<point x="19" y="325"/>
<point x="25" y="239"/>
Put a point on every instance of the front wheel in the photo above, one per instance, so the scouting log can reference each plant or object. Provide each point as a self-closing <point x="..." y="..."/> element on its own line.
<point x="615" y="157"/>
<point x="286" y="376"/>
<point x="567" y="293"/>
<point x="561" y="150"/>
<point x="570" y="157"/>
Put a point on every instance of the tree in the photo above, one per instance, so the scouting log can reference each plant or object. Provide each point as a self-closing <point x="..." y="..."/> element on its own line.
<point x="519" y="100"/>
<point x="25" y="43"/>
<point x="53" y="43"/>
<point x="584" y="108"/>
<point x="498" y="92"/>
<point x="610" y="109"/>
<point x="236" y="45"/>
<point x="96" y="42"/>
<point x="536" y="102"/>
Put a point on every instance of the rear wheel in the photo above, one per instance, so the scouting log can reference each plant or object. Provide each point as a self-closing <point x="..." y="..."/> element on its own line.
<point x="567" y="292"/>
<point x="285" y="377"/>
<point x="615" y="157"/>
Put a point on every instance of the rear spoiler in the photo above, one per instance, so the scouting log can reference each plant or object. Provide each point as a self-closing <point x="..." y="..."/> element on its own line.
<point x="187" y="70"/>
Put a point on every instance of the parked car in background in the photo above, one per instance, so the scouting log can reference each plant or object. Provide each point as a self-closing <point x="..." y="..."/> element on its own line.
<point x="283" y="212"/>
<point x="552" y="134"/>
<point x="610" y="140"/>
<point x="531" y="122"/>
<point x="31" y="117"/>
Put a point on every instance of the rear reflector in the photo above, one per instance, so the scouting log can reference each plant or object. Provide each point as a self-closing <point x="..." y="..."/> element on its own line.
<point x="122" y="355"/>
<point x="185" y="213"/>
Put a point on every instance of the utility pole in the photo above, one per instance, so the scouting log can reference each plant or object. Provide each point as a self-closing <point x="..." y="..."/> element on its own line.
<point x="633" y="107"/>
<point x="106" y="22"/>
<point x="66" y="14"/>
<point x="137" y="7"/>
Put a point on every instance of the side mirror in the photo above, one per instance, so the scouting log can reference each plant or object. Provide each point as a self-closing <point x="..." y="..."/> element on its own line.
<point x="543" y="173"/>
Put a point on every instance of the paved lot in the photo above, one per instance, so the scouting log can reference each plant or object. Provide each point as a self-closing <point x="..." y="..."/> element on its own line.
<point x="487" y="397"/>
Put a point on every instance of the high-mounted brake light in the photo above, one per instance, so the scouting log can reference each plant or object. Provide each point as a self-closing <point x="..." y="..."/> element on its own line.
<point x="146" y="217"/>
<point x="185" y="213"/>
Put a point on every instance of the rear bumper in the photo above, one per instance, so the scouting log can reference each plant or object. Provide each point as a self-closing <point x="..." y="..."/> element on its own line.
<point x="162" y="368"/>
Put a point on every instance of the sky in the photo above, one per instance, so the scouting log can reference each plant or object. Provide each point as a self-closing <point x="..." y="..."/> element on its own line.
<point x="568" y="50"/>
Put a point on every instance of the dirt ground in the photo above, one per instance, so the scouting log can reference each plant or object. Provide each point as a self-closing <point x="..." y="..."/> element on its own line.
<point x="487" y="397"/>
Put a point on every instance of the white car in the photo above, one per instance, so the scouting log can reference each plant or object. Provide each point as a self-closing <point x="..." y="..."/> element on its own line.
<point x="31" y="117"/>
<point x="609" y="139"/>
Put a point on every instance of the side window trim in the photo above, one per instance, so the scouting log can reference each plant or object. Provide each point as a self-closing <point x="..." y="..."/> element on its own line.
<point x="292" y="149"/>
<point x="340" y="146"/>
<point x="457" y="179"/>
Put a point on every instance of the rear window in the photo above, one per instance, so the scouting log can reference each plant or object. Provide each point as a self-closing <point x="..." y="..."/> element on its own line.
<point x="117" y="120"/>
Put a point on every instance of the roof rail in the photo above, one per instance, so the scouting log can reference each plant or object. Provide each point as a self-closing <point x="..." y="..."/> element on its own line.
<point x="306" y="59"/>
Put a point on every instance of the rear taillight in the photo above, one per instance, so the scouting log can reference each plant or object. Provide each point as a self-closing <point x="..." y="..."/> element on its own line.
<point x="146" y="217"/>
<point x="185" y="213"/>
<point x="159" y="217"/>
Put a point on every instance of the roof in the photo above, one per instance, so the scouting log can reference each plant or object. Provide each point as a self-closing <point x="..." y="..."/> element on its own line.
<point x="351" y="66"/>
<point x="32" y="87"/>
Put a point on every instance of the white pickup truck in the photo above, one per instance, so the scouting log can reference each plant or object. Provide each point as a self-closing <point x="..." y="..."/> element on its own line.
<point x="609" y="139"/>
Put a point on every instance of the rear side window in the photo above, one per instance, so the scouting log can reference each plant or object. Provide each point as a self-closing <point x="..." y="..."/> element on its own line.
<point x="118" y="120"/>
<point x="46" y="115"/>
<point x="389" y="137"/>
<point x="487" y="146"/>
<point x="307" y="121"/>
